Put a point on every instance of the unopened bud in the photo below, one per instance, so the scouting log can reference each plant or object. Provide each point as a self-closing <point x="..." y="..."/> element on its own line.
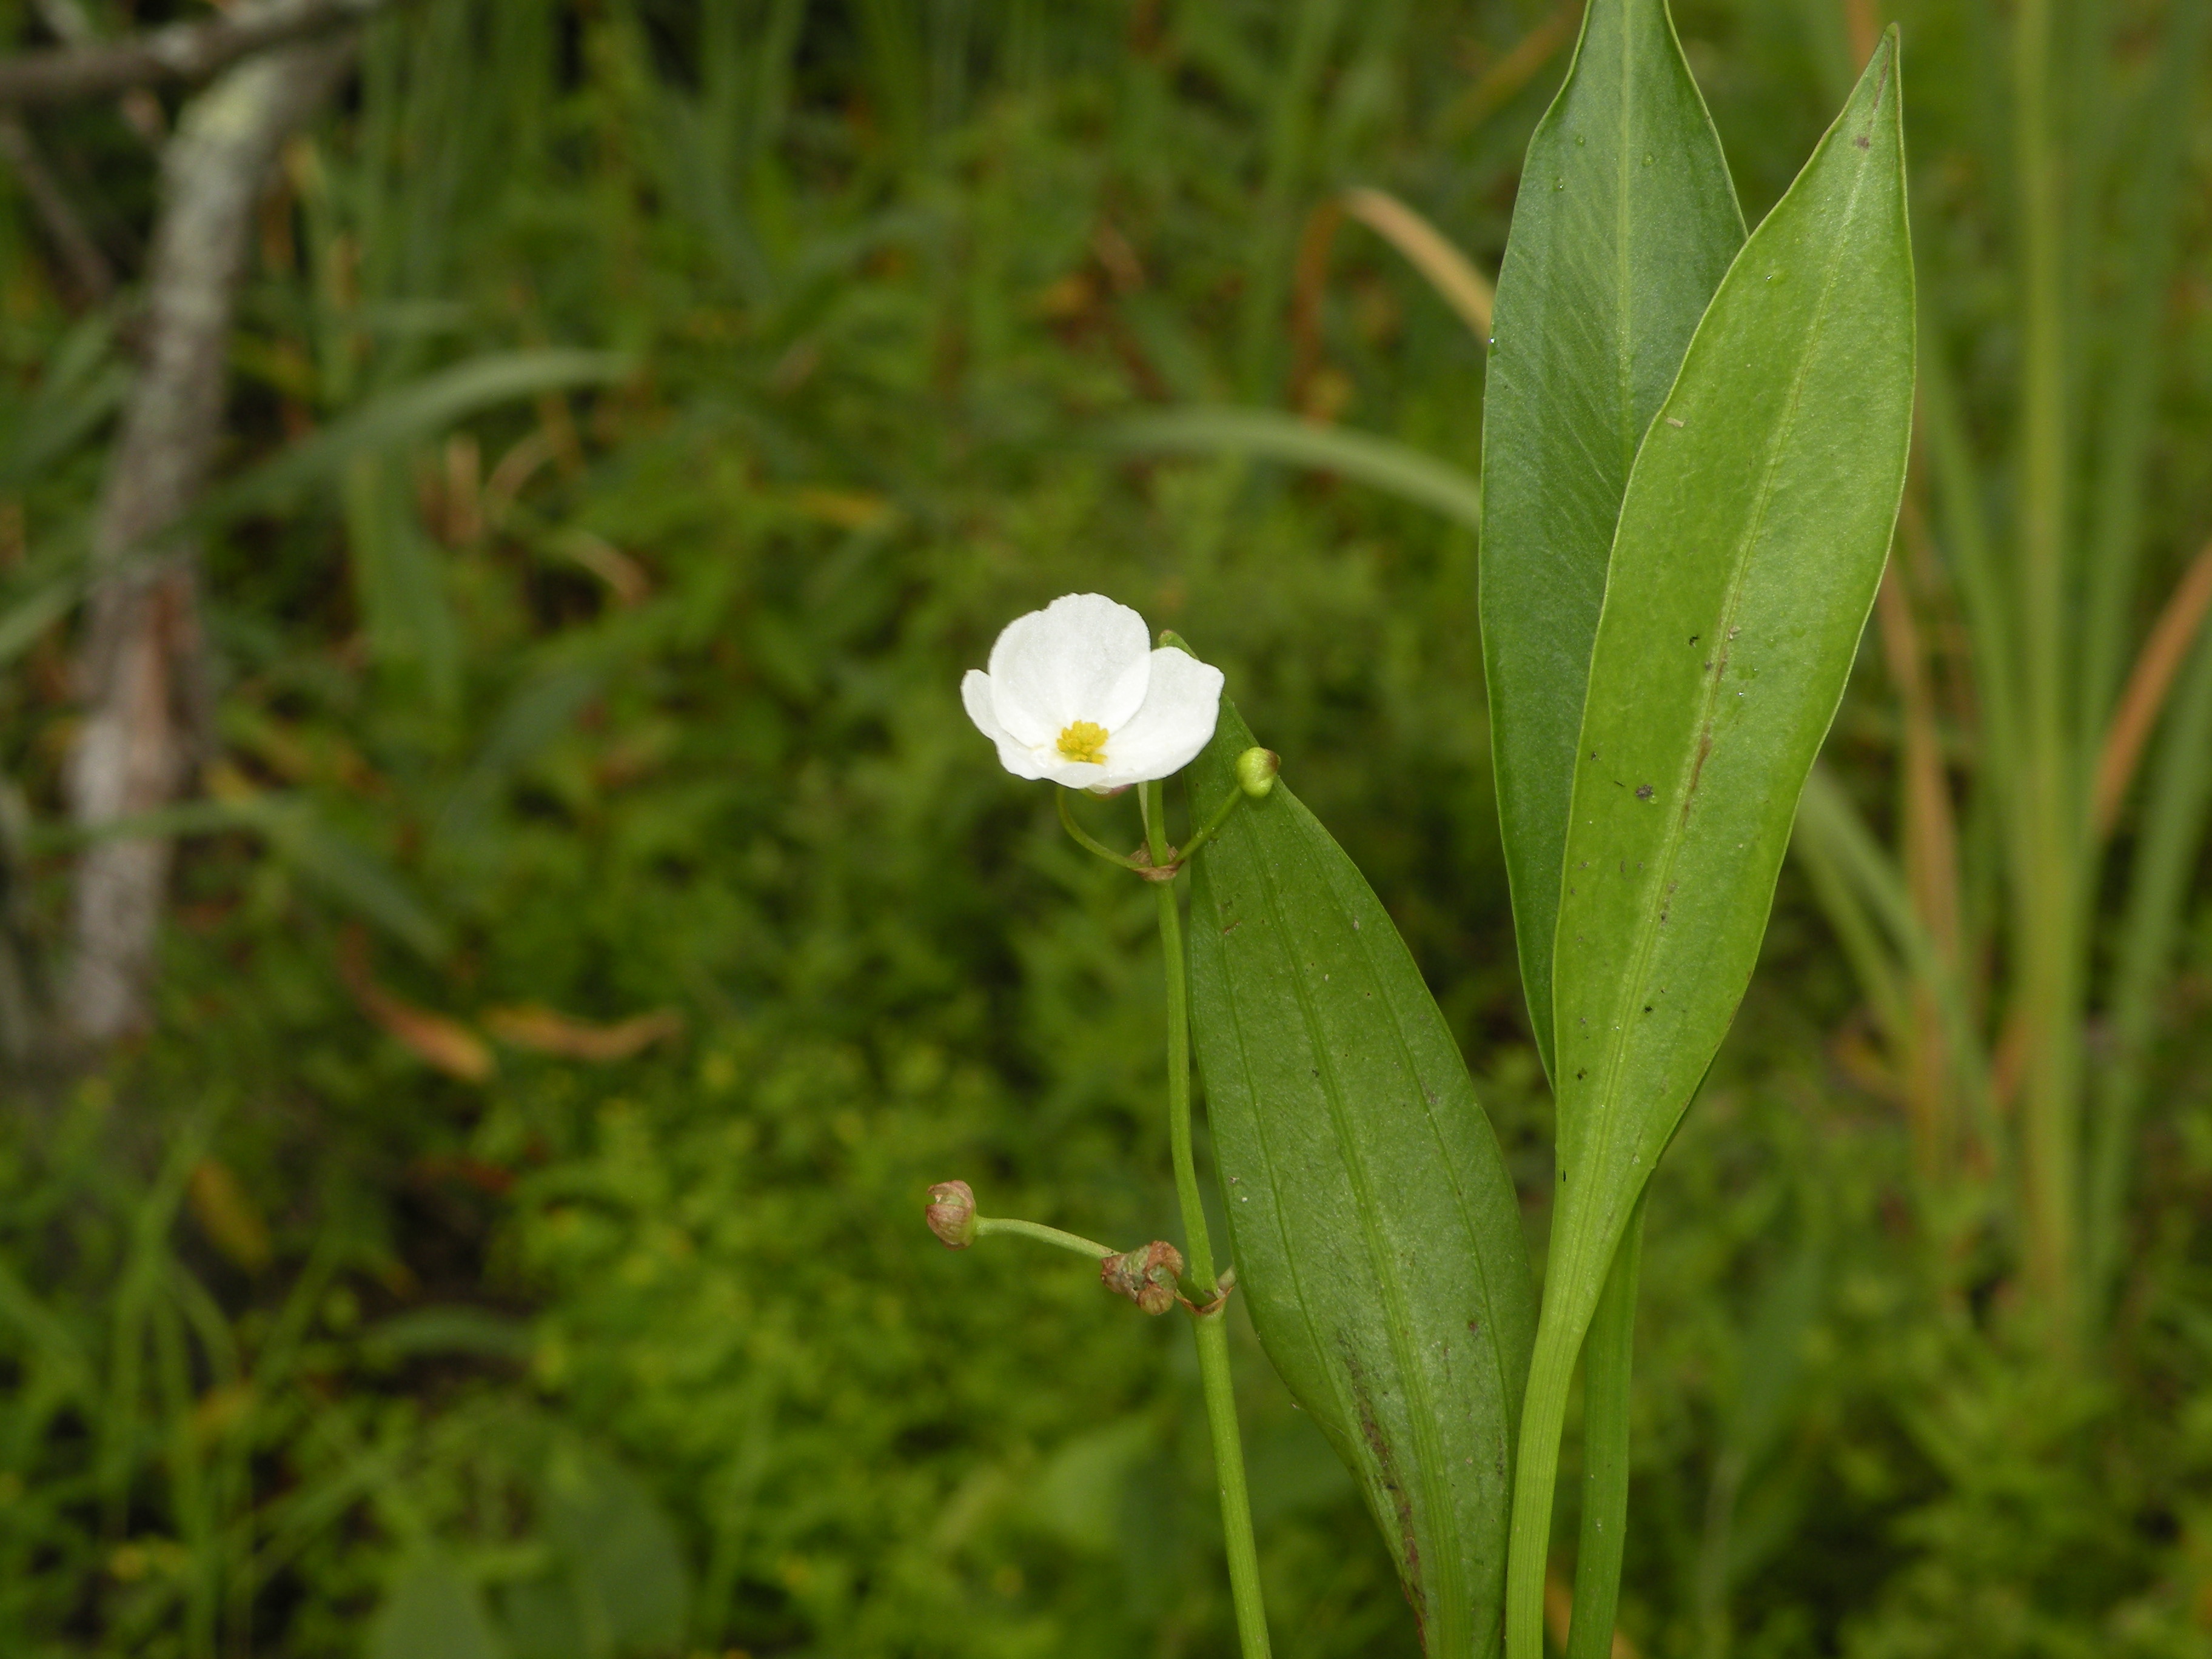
<point x="1146" y="1276"/>
<point x="951" y="1213"/>
<point x="1256" y="769"/>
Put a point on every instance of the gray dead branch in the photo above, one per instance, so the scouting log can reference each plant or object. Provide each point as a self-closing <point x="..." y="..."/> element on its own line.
<point x="143" y="668"/>
<point x="179" y="52"/>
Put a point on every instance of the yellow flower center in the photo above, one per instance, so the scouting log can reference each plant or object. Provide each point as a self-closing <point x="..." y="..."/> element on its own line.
<point x="1082" y="741"/>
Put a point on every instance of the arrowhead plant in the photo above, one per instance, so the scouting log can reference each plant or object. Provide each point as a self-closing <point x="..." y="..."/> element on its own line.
<point x="1694" y="448"/>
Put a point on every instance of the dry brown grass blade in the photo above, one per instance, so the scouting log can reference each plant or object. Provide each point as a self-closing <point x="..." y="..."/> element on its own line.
<point x="1498" y="84"/>
<point x="2163" y="654"/>
<point x="434" y="1039"/>
<point x="1451" y="272"/>
<point x="542" y="1028"/>
<point x="1932" y="864"/>
<point x="1309" y="279"/>
<point x="1863" y="24"/>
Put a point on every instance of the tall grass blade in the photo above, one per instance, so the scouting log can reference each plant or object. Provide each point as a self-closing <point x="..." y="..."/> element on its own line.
<point x="412" y="412"/>
<point x="1383" y="463"/>
<point x="2113" y="551"/>
<point x="2173" y="829"/>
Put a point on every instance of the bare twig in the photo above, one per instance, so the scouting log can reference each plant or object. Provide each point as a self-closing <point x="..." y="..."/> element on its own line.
<point x="179" y="52"/>
<point x="89" y="269"/>
<point x="141" y="110"/>
<point x="142" y="669"/>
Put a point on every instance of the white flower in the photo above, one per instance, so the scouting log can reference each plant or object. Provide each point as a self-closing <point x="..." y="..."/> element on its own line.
<point x="1076" y="694"/>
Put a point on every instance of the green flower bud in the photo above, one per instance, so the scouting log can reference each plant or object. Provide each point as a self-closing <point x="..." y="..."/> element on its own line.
<point x="1146" y="1276"/>
<point x="1256" y="769"/>
<point x="951" y="1213"/>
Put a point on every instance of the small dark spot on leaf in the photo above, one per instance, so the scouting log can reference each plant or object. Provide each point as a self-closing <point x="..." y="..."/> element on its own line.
<point x="1861" y="141"/>
<point x="1647" y="1007"/>
<point x="1581" y="1071"/>
<point x="1643" y="792"/>
<point x="1693" y="639"/>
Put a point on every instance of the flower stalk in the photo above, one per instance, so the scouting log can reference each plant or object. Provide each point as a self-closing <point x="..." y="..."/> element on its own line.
<point x="1077" y="694"/>
<point x="987" y="1225"/>
<point x="1089" y="842"/>
<point x="1211" y="1331"/>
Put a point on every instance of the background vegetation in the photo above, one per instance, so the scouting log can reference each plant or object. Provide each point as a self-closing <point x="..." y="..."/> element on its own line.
<point x="599" y="922"/>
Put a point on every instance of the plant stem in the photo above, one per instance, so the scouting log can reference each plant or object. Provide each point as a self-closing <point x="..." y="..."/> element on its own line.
<point x="1230" y="803"/>
<point x="1212" y="1330"/>
<point x="987" y="1225"/>
<point x="1607" y="1353"/>
<point x="1084" y="839"/>
<point x="1535" y="1477"/>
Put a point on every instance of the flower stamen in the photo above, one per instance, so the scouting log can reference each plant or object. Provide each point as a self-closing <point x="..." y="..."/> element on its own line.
<point x="1082" y="741"/>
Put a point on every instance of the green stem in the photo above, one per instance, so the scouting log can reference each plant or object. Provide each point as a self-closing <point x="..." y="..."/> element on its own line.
<point x="1230" y="803"/>
<point x="987" y="1225"/>
<point x="1606" y="1358"/>
<point x="1535" y="1476"/>
<point x="1085" y="840"/>
<point x="1581" y="1240"/>
<point x="1213" y="1331"/>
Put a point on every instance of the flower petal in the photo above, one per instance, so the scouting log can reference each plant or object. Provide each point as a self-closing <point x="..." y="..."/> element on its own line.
<point x="1076" y="774"/>
<point x="1181" y="703"/>
<point x="975" y="696"/>
<point x="1081" y="658"/>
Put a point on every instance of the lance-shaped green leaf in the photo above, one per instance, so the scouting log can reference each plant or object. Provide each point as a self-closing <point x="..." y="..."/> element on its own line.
<point x="1376" y="1235"/>
<point x="1624" y="223"/>
<point x="1751" y="541"/>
